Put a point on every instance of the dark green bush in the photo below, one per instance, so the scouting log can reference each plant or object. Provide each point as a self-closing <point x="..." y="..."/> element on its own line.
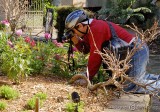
<point x="129" y="11"/>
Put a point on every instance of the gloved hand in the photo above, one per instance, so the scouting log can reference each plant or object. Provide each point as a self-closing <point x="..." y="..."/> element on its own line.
<point x="81" y="81"/>
<point x="75" y="40"/>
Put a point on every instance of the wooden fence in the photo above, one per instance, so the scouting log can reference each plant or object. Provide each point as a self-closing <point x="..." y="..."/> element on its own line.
<point x="34" y="14"/>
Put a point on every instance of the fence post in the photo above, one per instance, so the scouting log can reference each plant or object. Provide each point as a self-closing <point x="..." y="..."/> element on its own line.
<point x="37" y="105"/>
<point x="49" y="21"/>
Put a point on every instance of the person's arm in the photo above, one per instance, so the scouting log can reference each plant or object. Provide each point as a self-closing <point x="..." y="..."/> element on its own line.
<point x="94" y="64"/>
<point x="95" y="59"/>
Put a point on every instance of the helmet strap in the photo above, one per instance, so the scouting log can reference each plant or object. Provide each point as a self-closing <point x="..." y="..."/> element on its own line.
<point x="70" y="56"/>
<point x="82" y="32"/>
<point x="86" y="30"/>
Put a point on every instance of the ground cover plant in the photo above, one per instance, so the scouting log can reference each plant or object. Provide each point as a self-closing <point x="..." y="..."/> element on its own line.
<point x="72" y="107"/>
<point x="32" y="102"/>
<point x="3" y="105"/>
<point x="8" y="92"/>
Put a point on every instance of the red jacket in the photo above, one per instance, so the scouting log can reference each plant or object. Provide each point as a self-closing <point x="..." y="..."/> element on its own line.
<point x="101" y="32"/>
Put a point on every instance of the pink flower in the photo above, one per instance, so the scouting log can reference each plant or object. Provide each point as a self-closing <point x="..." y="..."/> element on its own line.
<point x="19" y="32"/>
<point x="55" y="42"/>
<point x="59" y="45"/>
<point x="47" y="35"/>
<point x="75" y="49"/>
<point x="72" y="55"/>
<point x="27" y="39"/>
<point x="5" y="22"/>
<point x="32" y="43"/>
<point x="10" y="43"/>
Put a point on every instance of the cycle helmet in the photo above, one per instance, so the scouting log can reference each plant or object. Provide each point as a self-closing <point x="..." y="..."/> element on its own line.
<point x="74" y="18"/>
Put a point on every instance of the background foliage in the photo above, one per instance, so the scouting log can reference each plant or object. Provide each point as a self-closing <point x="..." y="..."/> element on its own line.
<point x="130" y="11"/>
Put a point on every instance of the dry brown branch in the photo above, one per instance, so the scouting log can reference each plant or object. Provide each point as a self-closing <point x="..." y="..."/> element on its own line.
<point x="95" y="86"/>
<point x="148" y="35"/>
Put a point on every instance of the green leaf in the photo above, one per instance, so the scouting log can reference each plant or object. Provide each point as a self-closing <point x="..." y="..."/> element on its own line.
<point x="139" y="16"/>
<point x="142" y="9"/>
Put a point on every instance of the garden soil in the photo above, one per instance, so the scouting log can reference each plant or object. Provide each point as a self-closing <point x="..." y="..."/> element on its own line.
<point x="58" y="92"/>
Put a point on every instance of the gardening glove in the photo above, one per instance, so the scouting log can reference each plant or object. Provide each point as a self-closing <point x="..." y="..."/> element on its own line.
<point x="81" y="82"/>
<point x="75" y="40"/>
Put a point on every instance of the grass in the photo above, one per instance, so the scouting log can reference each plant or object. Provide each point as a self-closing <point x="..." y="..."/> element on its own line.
<point x="8" y="93"/>
<point x="3" y="105"/>
<point x="74" y="107"/>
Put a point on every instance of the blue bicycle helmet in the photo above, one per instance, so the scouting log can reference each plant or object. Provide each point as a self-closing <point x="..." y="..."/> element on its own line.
<point x="74" y="18"/>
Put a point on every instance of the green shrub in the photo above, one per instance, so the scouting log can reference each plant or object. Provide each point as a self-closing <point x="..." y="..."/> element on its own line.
<point x="41" y="96"/>
<point x="61" y="64"/>
<point x="74" y="107"/>
<point x="50" y="57"/>
<point x="45" y="60"/>
<point x="16" y="58"/>
<point x="3" y="105"/>
<point x="31" y="103"/>
<point x="8" y="93"/>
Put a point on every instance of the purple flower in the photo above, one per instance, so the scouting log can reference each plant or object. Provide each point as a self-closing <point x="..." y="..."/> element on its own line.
<point x="47" y="35"/>
<point x="19" y="32"/>
<point x="75" y="49"/>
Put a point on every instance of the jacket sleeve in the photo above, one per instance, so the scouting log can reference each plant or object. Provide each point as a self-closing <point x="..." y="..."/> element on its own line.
<point x="95" y="60"/>
<point x="94" y="63"/>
